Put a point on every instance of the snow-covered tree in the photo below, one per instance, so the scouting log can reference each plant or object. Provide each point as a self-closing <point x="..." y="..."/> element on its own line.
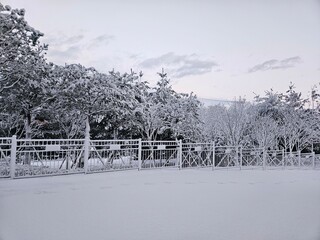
<point x="264" y="132"/>
<point x="164" y="113"/>
<point x="119" y="120"/>
<point x="185" y="120"/>
<point x="150" y="116"/>
<point x="24" y="83"/>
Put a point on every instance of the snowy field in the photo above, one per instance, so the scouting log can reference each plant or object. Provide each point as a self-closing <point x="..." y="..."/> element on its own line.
<point x="163" y="204"/>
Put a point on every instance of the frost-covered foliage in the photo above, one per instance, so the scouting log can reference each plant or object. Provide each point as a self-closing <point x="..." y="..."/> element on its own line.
<point x="228" y="125"/>
<point x="43" y="100"/>
<point x="273" y="121"/>
<point x="24" y="83"/>
<point x="162" y="111"/>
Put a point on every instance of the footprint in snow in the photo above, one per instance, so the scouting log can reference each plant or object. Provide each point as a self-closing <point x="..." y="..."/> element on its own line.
<point x="148" y="183"/>
<point x="42" y="192"/>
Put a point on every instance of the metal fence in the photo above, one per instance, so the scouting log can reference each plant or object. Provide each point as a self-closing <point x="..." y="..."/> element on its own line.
<point x="110" y="155"/>
<point x="317" y="161"/>
<point x="48" y="157"/>
<point x="227" y="157"/>
<point x="159" y="154"/>
<point x="5" y="157"/>
<point x="197" y="155"/>
<point x="34" y="157"/>
<point x="274" y="159"/>
<point x="252" y="158"/>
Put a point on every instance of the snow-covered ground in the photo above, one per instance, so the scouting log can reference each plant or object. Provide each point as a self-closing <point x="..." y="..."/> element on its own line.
<point x="163" y="204"/>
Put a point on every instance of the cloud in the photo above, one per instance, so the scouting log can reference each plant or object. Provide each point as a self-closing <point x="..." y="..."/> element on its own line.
<point x="276" y="64"/>
<point x="101" y="40"/>
<point x="64" y="48"/>
<point x="70" y="52"/>
<point x="180" y="65"/>
<point x="61" y="39"/>
<point x="71" y="47"/>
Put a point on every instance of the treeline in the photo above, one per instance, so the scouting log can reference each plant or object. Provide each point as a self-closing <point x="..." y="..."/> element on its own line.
<point x="274" y="121"/>
<point x="39" y="99"/>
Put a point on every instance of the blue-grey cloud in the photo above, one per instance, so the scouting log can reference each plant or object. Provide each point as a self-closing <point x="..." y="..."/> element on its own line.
<point x="101" y="40"/>
<point x="274" y="64"/>
<point x="61" y="39"/>
<point x="64" y="48"/>
<point x="71" y="52"/>
<point x="180" y="65"/>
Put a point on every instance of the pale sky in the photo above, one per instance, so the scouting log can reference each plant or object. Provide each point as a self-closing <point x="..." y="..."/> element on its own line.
<point x="216" y="49"/>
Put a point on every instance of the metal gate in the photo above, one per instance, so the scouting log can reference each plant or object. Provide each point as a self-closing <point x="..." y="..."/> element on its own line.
<point x="252" y="158"/>
<point x="291" y="159"/>
<point x="197" y="155"/>
<point x="317" y="161"/>
<point x="48" y="157"/>
<point x="274" y="159"/>
<point x="227" y="157"/>
<point x="158" y="154"/>
<point x="109" y="155"/>
<point x="307" y="160"/>
<point x="5" y="157"/>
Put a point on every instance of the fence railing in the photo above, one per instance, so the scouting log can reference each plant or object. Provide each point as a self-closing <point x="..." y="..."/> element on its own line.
<point x="34" y="157"/>
<point x="197" y="155"/>
<point x="5" y="157"/>
<point x="109" y="155"/>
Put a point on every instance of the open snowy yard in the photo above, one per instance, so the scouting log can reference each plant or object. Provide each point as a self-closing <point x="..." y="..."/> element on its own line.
<point x="163" y="204"/>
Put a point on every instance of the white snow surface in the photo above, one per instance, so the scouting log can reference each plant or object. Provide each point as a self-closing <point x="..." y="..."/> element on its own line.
<point x="163" y="204"/>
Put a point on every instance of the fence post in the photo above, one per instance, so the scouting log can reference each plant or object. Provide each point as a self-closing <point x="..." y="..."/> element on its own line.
<point x="213" y="155"/>
<point x="139" y="154"/>
<point x="313" y="159"/>
<point x="180" y="154"/>
<point x="264" y="156"/>
<point x="86" y="153"/>
<point x="299" y="158"/>
<point x="237" y="156"/>
<point x="240" y="157"/>
<point x="283" y="158"/>
<point x="13" y="156"/>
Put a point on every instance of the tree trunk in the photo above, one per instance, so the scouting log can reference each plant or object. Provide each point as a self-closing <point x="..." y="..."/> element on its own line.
<point x="27" y="124"/>
<point x="87" y="131"/>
